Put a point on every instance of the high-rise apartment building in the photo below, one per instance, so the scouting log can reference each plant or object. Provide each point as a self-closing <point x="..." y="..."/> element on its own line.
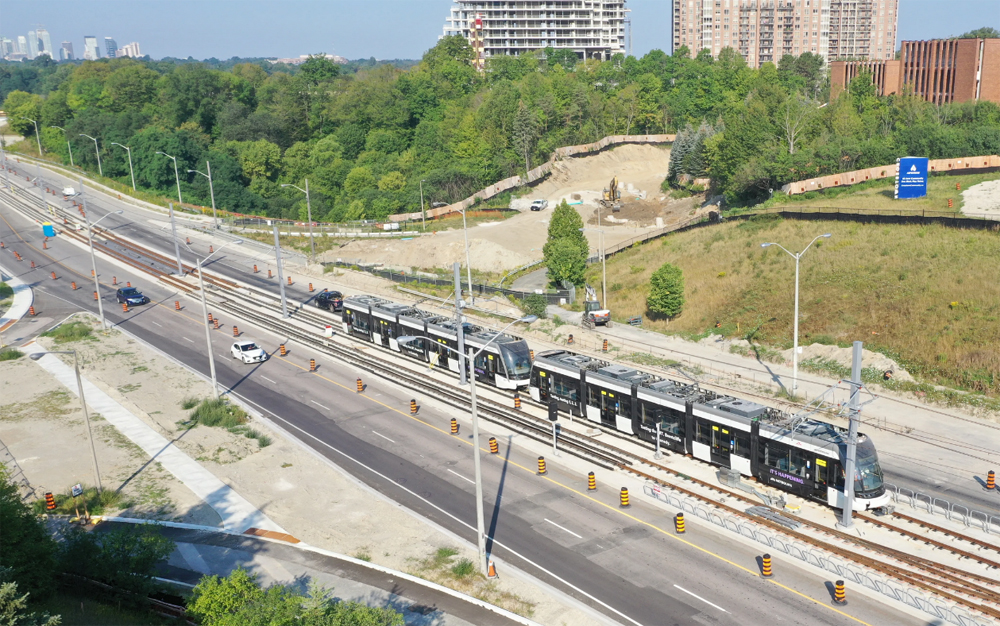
<point x="6" y="47"/>
<point x="66" y="51"/>
<point x="90" y="50"/>
<point x="22" y="45"/>
<point x="111" y="47"/>
<point x="766" y="30"/>
<point x="32" y="44"/>
<point x="130" y="50"/>
<point x="45" y="42"/>
<point x="592" y="29"/>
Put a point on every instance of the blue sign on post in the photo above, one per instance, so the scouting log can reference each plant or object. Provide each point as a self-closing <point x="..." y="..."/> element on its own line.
<point x="48" y="229"/>
<point x="911" y="179"/>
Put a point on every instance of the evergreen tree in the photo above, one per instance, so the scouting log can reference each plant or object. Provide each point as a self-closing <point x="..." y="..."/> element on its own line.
<point x="566" y="249"/>
<point x="666" y="293"/>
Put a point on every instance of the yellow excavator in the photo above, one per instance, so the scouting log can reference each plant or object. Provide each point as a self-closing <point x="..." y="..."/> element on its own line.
<point x="612" y="196"/>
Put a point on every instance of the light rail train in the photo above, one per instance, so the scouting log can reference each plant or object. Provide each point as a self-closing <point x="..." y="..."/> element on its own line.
<point x="505" y="362"/>
<point x="800" y="455"/>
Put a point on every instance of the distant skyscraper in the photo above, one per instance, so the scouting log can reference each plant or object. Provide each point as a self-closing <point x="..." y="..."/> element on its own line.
<point x="130" y="50"/>
<point x="66" y="52"/>
<point x="22" y="45"/>
<point x="32" y="44"/>
<point x="111" y="47"/>
<point x="6" y="47"/>
<point x="45" y="42"/>
<point x="90" y="50"/>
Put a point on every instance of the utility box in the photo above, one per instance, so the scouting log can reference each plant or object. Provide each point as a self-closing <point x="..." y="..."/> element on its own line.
<point x="48" y="229"/>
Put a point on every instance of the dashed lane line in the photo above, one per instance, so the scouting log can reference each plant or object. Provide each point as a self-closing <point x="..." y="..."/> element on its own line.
<point x="383" y="436"/>
<point x="320" y="405"/>
<point x="564" y="528"/>
<point x="462" y="477"/>
<point x="700" y="598"/>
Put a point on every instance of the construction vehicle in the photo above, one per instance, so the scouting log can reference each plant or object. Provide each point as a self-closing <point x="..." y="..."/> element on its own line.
<point x="612" y="196"/>
<point x="593" y="314"/>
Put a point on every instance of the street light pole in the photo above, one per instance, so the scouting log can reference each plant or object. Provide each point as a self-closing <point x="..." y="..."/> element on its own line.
<point x="37" y="136"/>
<point x="604" y="266"/>
<point x="83" y="404"/>
<point x="795" y="331"/>
<point x="468" y="262"/>
<point x="476" y="452"/>
<point x="312" y="242"/>
<point x="204" y="318"/>
<point x="177" y="177"/>
<point x="93" y="257"/>
<point x="423" y="213"/>
<point x="98" y="151"/>
<point x="281" y="276"/>
<point x="69" y="146"/>
<point x="211" y="189"/>
<point x="130" y="170"/>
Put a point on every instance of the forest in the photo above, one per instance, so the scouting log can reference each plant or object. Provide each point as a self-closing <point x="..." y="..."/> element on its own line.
<point x="368" y="135"/>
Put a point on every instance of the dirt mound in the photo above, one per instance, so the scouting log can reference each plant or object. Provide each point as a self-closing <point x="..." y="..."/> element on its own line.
<point x="408" y="255"/>
<point x="843" y="356"/>
<point x="982" y="198"/>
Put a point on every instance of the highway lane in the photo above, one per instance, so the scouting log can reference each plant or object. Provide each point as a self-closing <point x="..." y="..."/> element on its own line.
<point x="941" y="469"/>
<point x="621" y="560"/>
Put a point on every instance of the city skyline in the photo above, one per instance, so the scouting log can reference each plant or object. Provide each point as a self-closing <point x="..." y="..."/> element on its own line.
<point x="412" y="26"/>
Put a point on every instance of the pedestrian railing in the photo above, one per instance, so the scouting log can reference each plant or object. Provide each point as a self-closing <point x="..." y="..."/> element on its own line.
<point x="939" y="506"/>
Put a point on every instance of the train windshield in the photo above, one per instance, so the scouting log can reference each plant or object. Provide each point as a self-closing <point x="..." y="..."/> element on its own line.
<point x="869" y="473"/>
<point x="517" y="359"/>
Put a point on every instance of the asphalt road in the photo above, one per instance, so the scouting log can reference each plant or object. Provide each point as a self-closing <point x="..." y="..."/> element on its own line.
<point x="627" y="565"/>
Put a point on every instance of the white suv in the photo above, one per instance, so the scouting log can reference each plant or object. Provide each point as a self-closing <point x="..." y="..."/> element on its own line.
<point x="539" y="205"/>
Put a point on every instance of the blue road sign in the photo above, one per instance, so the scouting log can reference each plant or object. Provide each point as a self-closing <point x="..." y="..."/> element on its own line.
<point x="911" y="179"/>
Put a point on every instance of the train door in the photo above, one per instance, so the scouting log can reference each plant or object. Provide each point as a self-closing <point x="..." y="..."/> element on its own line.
<point x="722" y="444"/>
<point x="443" y="354"/>
<point x="609" y="407"/>
<point x="384" y="332"/>
<point x="820" y="484"/>
<point x="544" y="383"/>
<point x="486" y="367"/>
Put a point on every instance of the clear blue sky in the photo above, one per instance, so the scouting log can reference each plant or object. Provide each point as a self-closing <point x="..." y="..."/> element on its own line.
<point x="355" y="28"/>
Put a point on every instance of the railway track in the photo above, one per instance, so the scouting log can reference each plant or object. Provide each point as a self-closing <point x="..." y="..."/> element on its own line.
<point x="968" y="589"/>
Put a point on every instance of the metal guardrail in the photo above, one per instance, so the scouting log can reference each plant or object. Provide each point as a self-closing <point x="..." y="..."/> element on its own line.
<point x="939" y="506"/>
<point x="818" y="559"/>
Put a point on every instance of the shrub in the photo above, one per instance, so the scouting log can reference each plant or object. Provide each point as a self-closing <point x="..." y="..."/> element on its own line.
<point x="535" y="304"/>
<point x="27" y="550"/>
<point x="66" y="333"/>
<point x="463" y="569"/>
<point x="6" y="291"/>
<point x="218" y="413"/>
<point x="189" y="403"/>
<point x="10" y="354"/>
<point x="666" y="294"/>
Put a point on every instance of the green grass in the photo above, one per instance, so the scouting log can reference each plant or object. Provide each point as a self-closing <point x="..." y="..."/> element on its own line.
<point x="50" y="405"/>
<point x="10" y="354"/>
<point x="189" y="403"/>
<point x="94" y="502"/>
<point x="926" y="296"/>
<point x="6" y="291"/>
<point x="68" y="333"/>
<point x="263" y="440"/>
<point x="218" y="413"/>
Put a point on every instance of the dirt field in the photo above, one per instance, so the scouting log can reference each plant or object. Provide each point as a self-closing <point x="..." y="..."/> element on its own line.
<point x="499" y="246"/>
<point x="43" y="426"/>
<point x="983" y="198"/>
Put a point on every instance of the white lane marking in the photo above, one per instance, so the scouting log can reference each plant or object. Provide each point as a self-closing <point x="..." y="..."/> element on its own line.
<point x="563" y="528"/>
<point x="186" y="339"/>
<point x="157" y="323"/>
<point x="269" y="380"/>
<point x="458" y="520"/>
<point x="383" y="436"/>
<point x="700" y="598"/>
<point x="462" y="477"/>
<point x="320" y="405"/>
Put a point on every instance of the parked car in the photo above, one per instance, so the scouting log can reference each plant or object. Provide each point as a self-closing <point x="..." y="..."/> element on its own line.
<point x="330" y="300"/>
<point x="539" y="205"/>
<point x="248" y="352"/>
<point x="131" y="295"/>
<point x="438" y="205"/>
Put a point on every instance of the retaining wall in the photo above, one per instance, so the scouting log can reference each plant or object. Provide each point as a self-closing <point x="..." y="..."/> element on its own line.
<point x="534" y="174"/>
<point x="973" y="163"/>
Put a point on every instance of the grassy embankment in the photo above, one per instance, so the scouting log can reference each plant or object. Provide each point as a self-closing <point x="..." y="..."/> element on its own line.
<point x="927" y="296"/>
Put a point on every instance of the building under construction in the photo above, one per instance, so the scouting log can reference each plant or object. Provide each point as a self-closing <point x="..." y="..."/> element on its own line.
<point x="592" y="29"/>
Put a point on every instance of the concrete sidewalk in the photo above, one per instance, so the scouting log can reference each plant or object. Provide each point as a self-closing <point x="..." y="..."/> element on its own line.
<point x="236" y="512"/>
<point x="23" y="298"/>
<point x="205" y="551"/>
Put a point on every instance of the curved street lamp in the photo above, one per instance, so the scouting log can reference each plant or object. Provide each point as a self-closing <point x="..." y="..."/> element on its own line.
<point x="309" y="216"/>
<point x="177" y="176"/>
<point x="129" y="150"/>
<point x="480" y="521"/>
<point x="204" y="316"/>
<point x="97" y="150"/>
<point x="68" y="144"/>
<point x="37" y="136"/>
<point x="211" y="189"/>
<point x="795" y="332"/>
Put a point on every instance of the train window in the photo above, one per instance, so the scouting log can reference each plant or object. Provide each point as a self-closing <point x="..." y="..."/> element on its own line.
<point x="741" y="444"/>
<point x="361" y="322"/>
<point x="534" y="377"/>
<point x="773" y="455"/>
<point x="671" y="421"/>
<point x="624" y="405"/>
<point x="797" y="463"/>
<point x="593" y="396"/>
<point x="564" y="387"/>
<point x="703" y="433"/>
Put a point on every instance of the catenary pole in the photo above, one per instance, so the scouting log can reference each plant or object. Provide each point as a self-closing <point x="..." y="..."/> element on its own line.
<point x="854" y="409"/>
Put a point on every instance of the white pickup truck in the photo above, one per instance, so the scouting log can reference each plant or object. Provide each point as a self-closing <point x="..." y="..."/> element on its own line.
<point x="539" y="205"/>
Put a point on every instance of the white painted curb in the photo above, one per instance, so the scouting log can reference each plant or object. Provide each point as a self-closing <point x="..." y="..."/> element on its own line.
<point x="23" y="298"/>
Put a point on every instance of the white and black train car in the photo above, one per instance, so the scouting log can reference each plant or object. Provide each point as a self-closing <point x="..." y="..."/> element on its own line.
<point x="504" y="363"/>
<point x="754" y="440"/>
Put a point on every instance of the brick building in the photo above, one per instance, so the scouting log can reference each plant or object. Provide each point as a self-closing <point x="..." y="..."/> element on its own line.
<point x="939" y="71"/>
<point x="766" y="30"/>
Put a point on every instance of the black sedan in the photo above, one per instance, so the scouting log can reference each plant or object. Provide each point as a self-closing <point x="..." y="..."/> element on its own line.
<point x="330" y="300"/>
<point x="131" y="295"/>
